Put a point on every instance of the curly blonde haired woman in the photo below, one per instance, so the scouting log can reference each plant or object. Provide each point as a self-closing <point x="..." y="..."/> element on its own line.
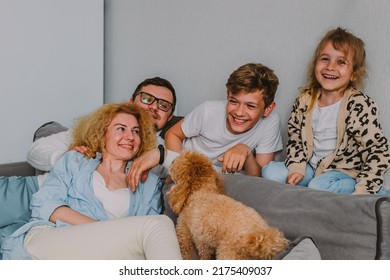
<point x="85" y="209"/>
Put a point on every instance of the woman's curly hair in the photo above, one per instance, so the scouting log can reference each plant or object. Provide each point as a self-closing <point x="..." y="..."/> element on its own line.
<point x="90" y="129"/>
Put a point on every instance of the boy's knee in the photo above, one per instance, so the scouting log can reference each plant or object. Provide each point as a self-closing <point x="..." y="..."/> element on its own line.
<point x="313" y="185"/>
<point x="274" y="171"/>
<point x="266" y="171"/>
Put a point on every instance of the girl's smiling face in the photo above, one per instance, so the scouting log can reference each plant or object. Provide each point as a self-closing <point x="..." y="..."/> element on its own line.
<point x="334" y="69"/>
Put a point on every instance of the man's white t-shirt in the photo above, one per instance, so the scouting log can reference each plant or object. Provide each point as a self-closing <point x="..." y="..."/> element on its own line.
<point x="45" y="151"/>
<point x="206" y="132"/>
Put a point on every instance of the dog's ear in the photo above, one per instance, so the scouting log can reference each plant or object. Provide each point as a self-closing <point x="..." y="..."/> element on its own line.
<point x="177" y="197"/>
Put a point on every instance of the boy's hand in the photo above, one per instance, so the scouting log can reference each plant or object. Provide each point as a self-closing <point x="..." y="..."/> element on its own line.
<point x="233" y="159"/>
<point x="140" y="167"/>
<point x="294" y="178"/>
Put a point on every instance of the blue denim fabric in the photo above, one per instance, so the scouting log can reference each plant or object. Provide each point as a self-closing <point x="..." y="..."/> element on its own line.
<point x="278" y="172"/>
<point x="331" y="181"/>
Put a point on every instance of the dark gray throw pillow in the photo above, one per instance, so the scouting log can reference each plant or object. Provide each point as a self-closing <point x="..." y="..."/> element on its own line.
<point x="47" y="129"/>
<point x="301" y="248"/>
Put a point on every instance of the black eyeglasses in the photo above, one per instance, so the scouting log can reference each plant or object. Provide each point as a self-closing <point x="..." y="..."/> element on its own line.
<point x="148" y="99"/>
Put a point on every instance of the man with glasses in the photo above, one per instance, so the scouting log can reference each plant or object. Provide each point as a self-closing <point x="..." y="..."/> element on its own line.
<point x="156" y="95"/>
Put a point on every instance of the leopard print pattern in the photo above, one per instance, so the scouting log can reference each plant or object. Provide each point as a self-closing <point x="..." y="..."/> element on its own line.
<point x="362" y="152"/>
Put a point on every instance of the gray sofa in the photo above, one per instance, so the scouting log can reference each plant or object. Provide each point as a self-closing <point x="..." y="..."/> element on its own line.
<point x="341" y="226"/>
<point x="16" y="169"/>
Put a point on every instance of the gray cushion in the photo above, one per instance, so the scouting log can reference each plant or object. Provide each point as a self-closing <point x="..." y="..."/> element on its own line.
<point x="302" y="248"/>
<point x="47" y="129"/>
<point x="342" y="226"/>
<point x="383" y="213"/>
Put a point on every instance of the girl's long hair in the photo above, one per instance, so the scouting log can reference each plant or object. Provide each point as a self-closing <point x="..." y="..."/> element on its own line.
<point x="343" y="41"/>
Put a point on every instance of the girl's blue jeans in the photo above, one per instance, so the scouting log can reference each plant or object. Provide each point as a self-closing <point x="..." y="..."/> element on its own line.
<point x="331" y="181"/>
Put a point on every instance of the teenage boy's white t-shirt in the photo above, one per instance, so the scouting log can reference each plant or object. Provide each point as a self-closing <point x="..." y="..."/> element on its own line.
<point x="206" y="132"/>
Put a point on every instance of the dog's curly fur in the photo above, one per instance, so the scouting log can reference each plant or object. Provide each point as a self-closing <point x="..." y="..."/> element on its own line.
<point x="212" y="223"/>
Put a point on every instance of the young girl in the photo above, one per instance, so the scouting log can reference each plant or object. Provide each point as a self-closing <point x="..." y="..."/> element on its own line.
<point x="335" y="140"/>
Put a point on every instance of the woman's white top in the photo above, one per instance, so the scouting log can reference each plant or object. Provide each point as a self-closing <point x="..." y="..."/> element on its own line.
<point x="116" y="202"/>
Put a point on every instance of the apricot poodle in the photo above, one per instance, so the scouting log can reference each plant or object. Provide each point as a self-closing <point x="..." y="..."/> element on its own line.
<point x="212" y="225"/>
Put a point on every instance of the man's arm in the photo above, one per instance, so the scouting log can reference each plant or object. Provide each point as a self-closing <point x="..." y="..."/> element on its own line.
<point x="45" y="151"/>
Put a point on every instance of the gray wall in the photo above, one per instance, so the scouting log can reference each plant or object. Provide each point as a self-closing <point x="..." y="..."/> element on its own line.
<point x="197" y="44"/>
<point x="52" y="53"/>
<point x="51" y="67"/>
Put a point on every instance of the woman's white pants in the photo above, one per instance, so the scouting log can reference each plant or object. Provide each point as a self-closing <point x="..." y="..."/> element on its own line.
<point x="141" y="237"/>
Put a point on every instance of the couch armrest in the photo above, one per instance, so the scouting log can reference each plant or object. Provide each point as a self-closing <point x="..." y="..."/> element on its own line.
<point x="16" y="169"/>
<point x="342" y="226"/>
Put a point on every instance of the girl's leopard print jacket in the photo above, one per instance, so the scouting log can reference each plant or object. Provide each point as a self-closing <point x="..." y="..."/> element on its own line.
<point x="361" y="149"/>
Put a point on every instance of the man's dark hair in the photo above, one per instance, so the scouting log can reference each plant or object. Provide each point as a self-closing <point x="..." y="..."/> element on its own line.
<point x="157" y="81"/>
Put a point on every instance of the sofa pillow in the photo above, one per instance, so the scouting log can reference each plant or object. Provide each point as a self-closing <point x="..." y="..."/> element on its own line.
<point x="302" y="248"/>
<point x="15" y="195"/>
<point x="7" y="231"/>
<point x="47" y="129"/>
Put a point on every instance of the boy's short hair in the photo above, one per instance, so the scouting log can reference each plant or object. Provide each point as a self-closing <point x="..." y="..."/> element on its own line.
<point x="251" y="77"/>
